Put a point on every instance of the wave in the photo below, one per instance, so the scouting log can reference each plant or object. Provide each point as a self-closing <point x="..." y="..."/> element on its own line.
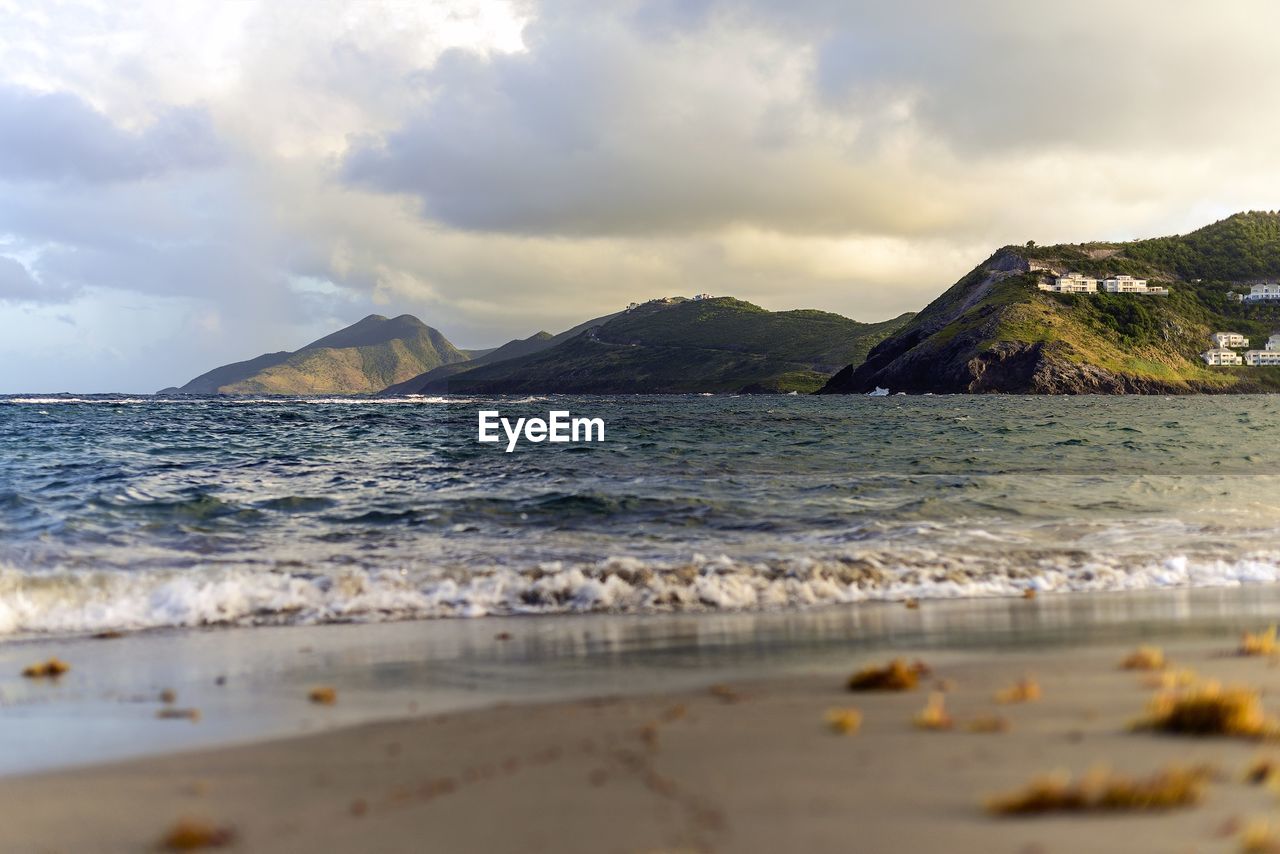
<point x="44" y="401"/>
<point x="72" y="602"/>
<point x="345" y="401"/>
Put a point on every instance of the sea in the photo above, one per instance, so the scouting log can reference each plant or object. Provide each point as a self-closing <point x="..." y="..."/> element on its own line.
<point x="133" y="512"/>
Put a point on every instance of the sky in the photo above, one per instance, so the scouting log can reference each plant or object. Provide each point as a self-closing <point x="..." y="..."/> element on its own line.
<point x="188" y="184"/>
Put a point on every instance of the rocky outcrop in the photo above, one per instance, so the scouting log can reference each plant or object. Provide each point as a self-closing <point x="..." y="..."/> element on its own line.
<point x="1006" y="367"/>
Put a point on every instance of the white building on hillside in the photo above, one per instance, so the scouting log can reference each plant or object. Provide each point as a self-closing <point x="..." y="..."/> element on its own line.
<point x="700" y="297"/>
<point x="1273" y="343"/>
<point x="1264" y="291"/>
<point x="1124" y="285"/>
<point x="1262" y="357"/>
<point x="1230" y="339"/>
<point x="1130" y="285"/>
<point x="1220" y="357"/>
<point x="1071" y="283"/>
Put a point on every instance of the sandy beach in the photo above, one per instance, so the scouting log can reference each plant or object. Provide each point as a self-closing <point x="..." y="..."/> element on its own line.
<point x="748" y="765"/>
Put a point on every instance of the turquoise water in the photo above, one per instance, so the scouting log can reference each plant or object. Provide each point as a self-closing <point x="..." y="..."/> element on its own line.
<point x="119" y="512"/>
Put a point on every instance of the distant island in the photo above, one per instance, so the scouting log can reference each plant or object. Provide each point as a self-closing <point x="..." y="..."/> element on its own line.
<point x="664" y="346"/>
<point x="1095" y="318"/>
<point x="1170" y="315"/>
<point x="363" y="358"/>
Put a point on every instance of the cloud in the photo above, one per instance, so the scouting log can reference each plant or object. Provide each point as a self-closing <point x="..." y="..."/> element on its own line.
<point x="16" y="282"/>
<point x="808" y="118"/>
<point x="57" y="137"/>
<point x="601" y="129"/>
<point x="240" y="177"/>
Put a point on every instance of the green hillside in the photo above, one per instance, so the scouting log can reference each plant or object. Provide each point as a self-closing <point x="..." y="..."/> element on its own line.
<point x="995" y="331"/>
<point x="681" y="346"/>
<point x="360" y="359"/>
<point x="437" y="379"/>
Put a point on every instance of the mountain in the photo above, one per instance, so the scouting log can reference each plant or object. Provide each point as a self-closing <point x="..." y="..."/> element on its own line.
<point x="680" y="346"/>
<point x="437" y="379"/>
<point x="996" y="331"/>
<point x="362" y="358"/>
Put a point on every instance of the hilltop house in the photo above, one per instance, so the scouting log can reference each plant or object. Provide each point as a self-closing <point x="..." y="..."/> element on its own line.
<point x="1130" y="285"/>
<point x="1263" y="291"/>
<point x="1071" y="283"/>
<point x="1220" y="356"/>
<point x="1075" y="283"/>
<point x="700" y="297"/>
<point x="1230" y="339"/>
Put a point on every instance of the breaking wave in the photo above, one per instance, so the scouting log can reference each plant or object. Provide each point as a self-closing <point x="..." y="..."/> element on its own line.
<point x="188" y="511"/>
<point x="80" y="601"/>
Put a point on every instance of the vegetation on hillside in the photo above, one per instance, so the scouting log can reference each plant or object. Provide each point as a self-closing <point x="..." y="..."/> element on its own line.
<point x="1242" y="247"/>
<point x="1098" y="341"/>
<point x="716" y="345"/>
<point x="362" y="358"/>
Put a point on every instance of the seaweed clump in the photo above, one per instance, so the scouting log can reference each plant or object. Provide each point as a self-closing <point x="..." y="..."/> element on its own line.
<point x="897" y="675"/>
<point x="1263" y="770"/>
<point x="191" y="835"/>
<point x="1258" y="643"/>
<point x="934" y="714"/>
<point x="1026" y="690"/>
<point x="1210" y="710"/>
<point x="1257" y="838"/>
<point x="844" y="721"/>
<point x="1103" y="791"/>
<point x="325" y="695"/>
<point x="1144" y="658"/>
<point x="51" y="669"/>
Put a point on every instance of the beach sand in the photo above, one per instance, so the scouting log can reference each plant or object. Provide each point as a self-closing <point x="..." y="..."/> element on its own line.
<point x="750" y="767"/>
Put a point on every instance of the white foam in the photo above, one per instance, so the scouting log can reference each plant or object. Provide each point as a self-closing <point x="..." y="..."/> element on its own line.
<point x="75" y="602"/>
<point x="44" y="401"/>
<point x="385" y="401"/>
<point x="350" y="401"/>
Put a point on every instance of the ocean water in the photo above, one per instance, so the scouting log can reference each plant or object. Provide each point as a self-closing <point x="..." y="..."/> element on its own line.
<point x="131" y="512"/>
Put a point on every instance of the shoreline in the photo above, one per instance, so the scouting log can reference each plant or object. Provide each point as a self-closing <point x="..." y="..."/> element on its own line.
<point x="250" y="684"/>
<point x="749" y="765"/>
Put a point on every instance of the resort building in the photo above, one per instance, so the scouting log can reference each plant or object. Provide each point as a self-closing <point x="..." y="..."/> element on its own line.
<point x="1124" y="285"/>
<point x="1261" y="292"/>
<point x="1221" y="356"/>
<point x="1262" y="357"/>
<point x="1075" y="283"/>
<point x="1071" y="283"/>
<point x="1273" y="343"/>
<point x="1130" y="285"/>
<point x="1231" y="339"/>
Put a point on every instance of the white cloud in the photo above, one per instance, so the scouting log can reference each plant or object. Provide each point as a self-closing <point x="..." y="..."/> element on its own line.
<point x="231" y="177"/>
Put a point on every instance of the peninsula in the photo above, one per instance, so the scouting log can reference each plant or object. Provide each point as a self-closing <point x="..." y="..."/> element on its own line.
<point x="1093" y="318"/>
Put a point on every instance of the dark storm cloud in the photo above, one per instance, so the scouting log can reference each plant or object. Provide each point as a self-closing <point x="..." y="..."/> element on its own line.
<point x="606" y="126"/>
<point x="809" y="117"/>
<point x="57" y="136"/>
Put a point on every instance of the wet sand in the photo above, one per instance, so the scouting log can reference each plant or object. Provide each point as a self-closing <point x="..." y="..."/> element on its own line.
<point x="749" y="767"/>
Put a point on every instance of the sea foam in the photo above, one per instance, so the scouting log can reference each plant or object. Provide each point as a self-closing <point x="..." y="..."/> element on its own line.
<point x="69" y="602"/>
